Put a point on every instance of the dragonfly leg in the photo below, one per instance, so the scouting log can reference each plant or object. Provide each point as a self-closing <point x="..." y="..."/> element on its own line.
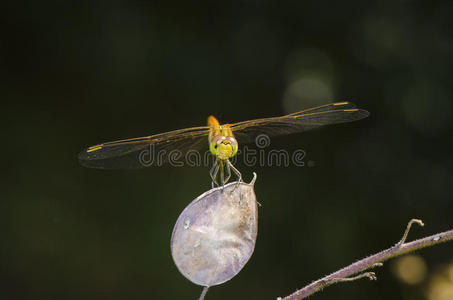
<point x="228" y="171"/>
<point x="236" y="171"/>
<point x="222" y="175"/>
<point x="213" y="173"/>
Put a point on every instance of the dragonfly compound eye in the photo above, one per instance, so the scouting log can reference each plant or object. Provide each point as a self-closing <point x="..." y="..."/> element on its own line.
<point x="216" y="141"/>
<point x="234" y="144"/>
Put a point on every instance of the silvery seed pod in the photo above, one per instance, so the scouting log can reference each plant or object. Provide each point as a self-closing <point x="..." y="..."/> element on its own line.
<point x="215" y="235"/>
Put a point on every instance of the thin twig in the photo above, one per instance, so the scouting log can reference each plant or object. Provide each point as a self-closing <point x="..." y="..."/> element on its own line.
<point x="369" y="275"/>
<point x="408" y="228"/>
<point x="372" y="261"/>
<point x="203" y="293"/>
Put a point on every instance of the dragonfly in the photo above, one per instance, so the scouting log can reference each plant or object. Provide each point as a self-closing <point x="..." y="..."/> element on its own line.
<point x="221" y="139"/>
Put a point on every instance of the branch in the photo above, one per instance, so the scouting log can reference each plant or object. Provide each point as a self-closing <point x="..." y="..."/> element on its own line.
<point x="372" y="261"/>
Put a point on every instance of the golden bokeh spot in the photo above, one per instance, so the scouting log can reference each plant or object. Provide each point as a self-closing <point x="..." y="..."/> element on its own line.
<point x="410" y="269"/>
<point x="440" y="285"/>
<point x="450" y="272"/>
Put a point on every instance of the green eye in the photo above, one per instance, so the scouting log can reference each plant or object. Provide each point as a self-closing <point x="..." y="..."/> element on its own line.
<point x="212" y="147"/>
<point x="235" y="149"/>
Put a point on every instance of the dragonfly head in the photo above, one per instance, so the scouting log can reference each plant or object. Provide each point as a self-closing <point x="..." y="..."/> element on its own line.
<point x="223" y="147"/>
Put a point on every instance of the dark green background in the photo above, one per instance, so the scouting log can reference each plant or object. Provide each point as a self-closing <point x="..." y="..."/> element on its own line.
<point x="73" y="74"/>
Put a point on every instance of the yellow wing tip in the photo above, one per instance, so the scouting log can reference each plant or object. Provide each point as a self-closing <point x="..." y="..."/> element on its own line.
<point x="340" y="103"/>
<point x="94" y="148"/>
<point x="352" y="109"/>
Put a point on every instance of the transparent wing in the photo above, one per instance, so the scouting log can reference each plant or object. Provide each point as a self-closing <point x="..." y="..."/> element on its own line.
<point x="144" y="151"/>
<point x="157" y="149"/>
<point x="304" y="120"/>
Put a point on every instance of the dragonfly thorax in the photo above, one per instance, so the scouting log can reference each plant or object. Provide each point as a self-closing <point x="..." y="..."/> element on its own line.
<point x="223" y="147"/>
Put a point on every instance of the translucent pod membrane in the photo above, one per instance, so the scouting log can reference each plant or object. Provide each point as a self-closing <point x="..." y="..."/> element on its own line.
<point x="215" y="235"/>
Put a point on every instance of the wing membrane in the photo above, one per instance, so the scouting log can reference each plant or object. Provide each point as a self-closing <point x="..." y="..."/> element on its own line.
<point x="156" y="149"/>
<point x="304" y="120"/>
<point x="144" y="151"/>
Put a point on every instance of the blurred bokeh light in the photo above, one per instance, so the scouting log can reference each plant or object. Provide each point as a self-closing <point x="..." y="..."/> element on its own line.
<point x="440" y="285"/>
<point x="410" y="269"/>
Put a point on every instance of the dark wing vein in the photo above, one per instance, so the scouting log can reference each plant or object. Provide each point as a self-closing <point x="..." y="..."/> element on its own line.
<point x="301" y="121"/>
<point x="144" y="151"/>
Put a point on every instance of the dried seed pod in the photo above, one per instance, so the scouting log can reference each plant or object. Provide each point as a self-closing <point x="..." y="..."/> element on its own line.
<point x="215" y="235"/>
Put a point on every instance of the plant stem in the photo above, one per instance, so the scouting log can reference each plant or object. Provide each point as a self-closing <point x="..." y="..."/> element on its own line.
<point x="372" y="261"/>
<point x="203" y="293"/>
